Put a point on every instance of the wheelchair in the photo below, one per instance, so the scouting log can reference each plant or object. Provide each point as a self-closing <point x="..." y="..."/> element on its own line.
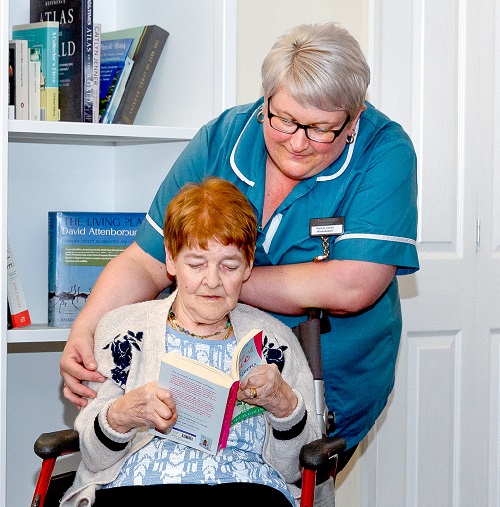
<point x="318" y="459"/>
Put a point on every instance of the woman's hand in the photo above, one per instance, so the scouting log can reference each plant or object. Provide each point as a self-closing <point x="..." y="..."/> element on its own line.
<point x="148" y="405"/>
<point x="264" y="386"/>
<point x="78" y="363"/>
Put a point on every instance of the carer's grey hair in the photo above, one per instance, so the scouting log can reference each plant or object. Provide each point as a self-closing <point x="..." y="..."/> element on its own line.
<point x="321" y="66"/>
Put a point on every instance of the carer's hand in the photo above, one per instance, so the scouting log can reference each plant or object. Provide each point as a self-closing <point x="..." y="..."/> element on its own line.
<point x="148" y="405"/>
<point x="78" y="363"/>
<point x="264" y="386"/>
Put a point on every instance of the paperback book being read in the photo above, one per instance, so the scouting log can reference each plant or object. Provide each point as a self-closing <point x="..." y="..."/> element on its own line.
<point x="80" y="245"/>
<point x="205" y="397"/>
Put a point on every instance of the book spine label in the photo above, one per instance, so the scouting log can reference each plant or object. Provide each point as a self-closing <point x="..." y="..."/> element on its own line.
<point x="96" y="71"/>
<point x="19" y="312"/>
<point x="88" y="63"/>
<point x="34" y="87"/>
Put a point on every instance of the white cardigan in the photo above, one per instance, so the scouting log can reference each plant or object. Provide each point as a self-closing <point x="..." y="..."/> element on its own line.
<point x="101" y="465"/>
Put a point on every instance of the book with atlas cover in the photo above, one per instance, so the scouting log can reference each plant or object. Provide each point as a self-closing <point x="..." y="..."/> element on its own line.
<point x="75" y="18"/>
<point x="205" y="397"/>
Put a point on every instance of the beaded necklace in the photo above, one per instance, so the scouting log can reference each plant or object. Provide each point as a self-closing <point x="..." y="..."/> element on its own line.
<point x="176" y="326"/>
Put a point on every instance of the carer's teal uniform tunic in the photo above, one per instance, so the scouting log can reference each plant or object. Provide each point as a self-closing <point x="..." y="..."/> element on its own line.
<point x="373" y="187"/>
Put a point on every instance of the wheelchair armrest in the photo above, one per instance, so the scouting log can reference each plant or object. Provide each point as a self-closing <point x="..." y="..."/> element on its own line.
<point x="57" y="443"/>
<point x="318" y="454"/>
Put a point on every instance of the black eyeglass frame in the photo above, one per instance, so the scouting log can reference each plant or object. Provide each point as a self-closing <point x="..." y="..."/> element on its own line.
<point x="305" y="128"/>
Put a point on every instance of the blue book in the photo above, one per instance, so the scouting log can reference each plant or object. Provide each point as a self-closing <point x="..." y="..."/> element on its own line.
<point x="114" y="55"/>
<point x="75" y="18"/>
<point x="43" y="38"/>
<point x="80" y="245"/>
<point x="118" y="92"/>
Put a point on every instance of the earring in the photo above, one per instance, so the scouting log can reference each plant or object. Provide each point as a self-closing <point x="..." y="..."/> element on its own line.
<point x="260" y="116"/>
<point x="350" y="139"/>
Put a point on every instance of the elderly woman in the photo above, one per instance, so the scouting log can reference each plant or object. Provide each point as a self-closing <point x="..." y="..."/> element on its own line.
<point x="210" y="232"/>
<point x="331" y="179"/>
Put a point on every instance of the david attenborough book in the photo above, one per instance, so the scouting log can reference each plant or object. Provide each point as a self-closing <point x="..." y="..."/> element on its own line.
<point x="75" y="18"/>
<point x="43" y="37"/>
<point x="80" y="245"/>
<point x="205" y="396"/>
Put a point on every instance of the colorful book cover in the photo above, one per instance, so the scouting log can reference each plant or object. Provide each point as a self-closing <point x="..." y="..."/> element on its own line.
<point x="149" y="41"/>
<point x="44" y="37"/>
<point x="75" y="18"/>
<point x="114" y="55"/>
<point x="113" y="103"/>
<point x="80" y="245"/>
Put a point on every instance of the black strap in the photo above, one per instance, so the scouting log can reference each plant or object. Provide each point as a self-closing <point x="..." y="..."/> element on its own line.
<point x="293" y="432"/>
<point x="110" y="444"/>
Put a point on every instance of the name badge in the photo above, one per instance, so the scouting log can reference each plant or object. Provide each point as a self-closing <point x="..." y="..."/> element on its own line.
<point x="331" y="226"/>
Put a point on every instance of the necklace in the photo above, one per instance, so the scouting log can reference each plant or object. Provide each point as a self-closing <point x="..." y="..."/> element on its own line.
<point x="171" y="319"/>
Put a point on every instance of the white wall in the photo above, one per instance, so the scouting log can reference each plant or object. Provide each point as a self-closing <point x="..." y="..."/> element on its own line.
<point x="260" y="22"/>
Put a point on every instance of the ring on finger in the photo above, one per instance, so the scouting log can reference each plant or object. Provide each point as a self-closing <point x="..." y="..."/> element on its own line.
<point x="253" y="392"/>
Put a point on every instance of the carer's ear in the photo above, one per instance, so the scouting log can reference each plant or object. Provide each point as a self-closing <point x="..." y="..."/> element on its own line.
<point x="169" y="261"/>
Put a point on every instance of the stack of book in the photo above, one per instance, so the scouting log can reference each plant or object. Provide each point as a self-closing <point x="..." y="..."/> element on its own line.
<point x="128" y="61"/>
<point x="61" y="68"/>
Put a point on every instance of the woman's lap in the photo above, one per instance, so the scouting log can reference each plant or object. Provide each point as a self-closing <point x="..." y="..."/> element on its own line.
<point x="245" y="495"/>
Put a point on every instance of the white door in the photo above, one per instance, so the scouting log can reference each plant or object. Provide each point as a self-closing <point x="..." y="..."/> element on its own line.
<point x="436" y="70"/>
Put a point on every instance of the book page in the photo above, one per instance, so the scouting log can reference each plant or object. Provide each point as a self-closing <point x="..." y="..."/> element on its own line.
<point x="200" y="406"/>
<point x="250" y="355"/>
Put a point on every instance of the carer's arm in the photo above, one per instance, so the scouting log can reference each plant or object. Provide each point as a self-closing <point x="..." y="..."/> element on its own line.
<point x="339" y="286"/>
<point x="130" y="277"/>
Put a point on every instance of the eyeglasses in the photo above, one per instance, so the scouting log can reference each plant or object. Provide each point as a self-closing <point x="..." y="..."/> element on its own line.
<point x="313" y="133"/>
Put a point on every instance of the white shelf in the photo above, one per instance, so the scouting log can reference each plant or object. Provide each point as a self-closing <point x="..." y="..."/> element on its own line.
<point x="24" y="131"/>
<point x="37" y="333"/>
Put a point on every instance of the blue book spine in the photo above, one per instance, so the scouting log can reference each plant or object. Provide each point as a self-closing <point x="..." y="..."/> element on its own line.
<point x="80" y="246"/>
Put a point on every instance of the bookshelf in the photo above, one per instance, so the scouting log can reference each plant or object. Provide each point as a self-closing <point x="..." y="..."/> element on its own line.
<point x="74" y="166"/>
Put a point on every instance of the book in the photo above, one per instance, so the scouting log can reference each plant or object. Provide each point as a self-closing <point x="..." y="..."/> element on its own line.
<point x="44" y="36"/>
<point x="149" y="41"/>
<point x="118" y="91"/>
<point x="114" y="54"/>
<point x="96" y="71"/>
<point x="205" y="397"/>
<point x="19" y="313"/>
<point x="75" y="18"/>
<point x="34" y="84"/>
<point x="9" y="317"/>
<point x="20" y="77"/>
<point x="80" y="245"/>
<point x="12" y="83"/>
